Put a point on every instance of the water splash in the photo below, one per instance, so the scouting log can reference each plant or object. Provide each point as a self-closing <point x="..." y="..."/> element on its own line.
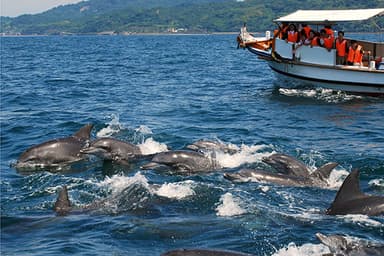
<point x="322" y="94"/>
<point x="113" y="127"/>
<point x="246" y="154"/>
<point x="143" y="130"/>
<point x="179" y="190"/>
<point x="304" y="250"/>
<point x="229" y="206"/>
<point x="362" y="220"/>
<point x="117" y="183"/>
<point x="150" y="146"/>
<point x="377" y="183"/>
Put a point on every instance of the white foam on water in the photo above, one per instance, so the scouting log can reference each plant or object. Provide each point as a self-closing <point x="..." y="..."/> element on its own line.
<point x="362" y="220"/>
<point x="246" y="154"/>
<point x="326" y="95"/>
<point x="297" y="92"/>
<point x="117" y="183"/>
<point x="377" y="183"/>
<point x="264" y="188"/>
<point x="229" y="206"/>
<point x="304" y="250"/>
<point x="336" y="178"/>
<point x="150" y="146"/>
<point x="113" y="127"/>
<point x="144" y="129"/>
<point x="178" y="190"/>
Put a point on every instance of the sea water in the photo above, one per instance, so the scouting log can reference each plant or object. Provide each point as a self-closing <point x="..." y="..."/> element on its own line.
<point x="161" y="93"/>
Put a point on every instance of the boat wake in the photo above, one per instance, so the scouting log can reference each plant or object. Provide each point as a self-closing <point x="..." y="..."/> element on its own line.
<point x="327" y="95"/>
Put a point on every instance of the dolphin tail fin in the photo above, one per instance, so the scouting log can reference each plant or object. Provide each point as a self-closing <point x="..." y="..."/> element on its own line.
<point x="349" y="190"/>
<point x="84" y="132"/>
<point x="324" y="171"/>
<point x="62" y="204"/>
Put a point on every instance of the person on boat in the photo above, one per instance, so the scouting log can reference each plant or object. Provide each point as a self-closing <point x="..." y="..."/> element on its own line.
<point x="292" y="35"/>
<point x="355" y="54"/>
<point x="328" y="29"/>
<point x="313" y="38"/>
<point x="306" y="29"/>
<point x="341" y="48"/>
<point x="281" y="31"/>
<point x="325" y="41"/>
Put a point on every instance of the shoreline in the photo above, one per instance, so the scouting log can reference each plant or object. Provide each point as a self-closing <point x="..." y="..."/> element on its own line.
<point x="151" y="34"/>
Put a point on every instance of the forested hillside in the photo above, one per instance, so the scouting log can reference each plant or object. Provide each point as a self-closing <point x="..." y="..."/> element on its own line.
<point x="157" y="16"/>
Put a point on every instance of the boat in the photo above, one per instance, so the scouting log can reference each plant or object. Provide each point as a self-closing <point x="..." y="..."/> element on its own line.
<point x="315" y="65"/>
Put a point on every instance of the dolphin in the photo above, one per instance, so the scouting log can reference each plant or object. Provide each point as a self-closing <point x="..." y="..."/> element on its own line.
<point x="339" y="245"/>
<point x="113" y="150"/>
<point x="286" y="164"/>
<point x="203" y="252"/>
<point x="136" y="198"/>
<point x="316" y="179"/>
<point x="210" y="145"/>
<point x="56" y="152"/>
<point x="184" y="161"/>
<point x="351" y="200"/>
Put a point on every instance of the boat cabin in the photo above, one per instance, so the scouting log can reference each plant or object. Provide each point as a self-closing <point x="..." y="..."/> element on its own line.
<point x="318" y="55"/>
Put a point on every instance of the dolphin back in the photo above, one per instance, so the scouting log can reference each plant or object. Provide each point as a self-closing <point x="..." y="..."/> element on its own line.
<point x="62" y="205"/>
<point x="351" y="200"/>
<point x="84" y="133"/>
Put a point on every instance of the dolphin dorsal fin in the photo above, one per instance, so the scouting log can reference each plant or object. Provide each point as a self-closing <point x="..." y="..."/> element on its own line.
<point x="350" y="189"/>
<point x="62" y="205"/>
<point x="84" y="132"/>
<point x="324" y="171"/>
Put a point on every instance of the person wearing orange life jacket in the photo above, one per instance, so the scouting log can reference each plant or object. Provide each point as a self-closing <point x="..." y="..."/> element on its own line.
<point x="291" y="35"/>
<point x="314" y="37"/>
<point x="341" y="48"/>
<point x="325" y="40"/>
<point x="282" y="30"/>
<point x="329" y="31"/>
<point x="306" y="29"/>
<point x="355" y="54"/>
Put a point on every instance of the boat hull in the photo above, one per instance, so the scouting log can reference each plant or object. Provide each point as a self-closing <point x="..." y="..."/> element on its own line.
<point x="343" y="78"/>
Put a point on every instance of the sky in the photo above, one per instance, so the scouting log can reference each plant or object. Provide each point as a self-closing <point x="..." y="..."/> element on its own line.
<point x="13" y="8"/>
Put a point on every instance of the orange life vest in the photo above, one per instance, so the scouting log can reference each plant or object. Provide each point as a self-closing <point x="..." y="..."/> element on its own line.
<point x="329" y="32"/>
<point x="292" y="36"/>
<point x="355" y="56"/>
<point x="307" y="29"/>
<point x="328" y="42"/>
<point x="341" y="47"/>
<point x="314" y="41"/>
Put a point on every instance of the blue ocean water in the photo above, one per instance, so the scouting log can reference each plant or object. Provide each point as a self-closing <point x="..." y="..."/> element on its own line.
<point x="159" y="91"/>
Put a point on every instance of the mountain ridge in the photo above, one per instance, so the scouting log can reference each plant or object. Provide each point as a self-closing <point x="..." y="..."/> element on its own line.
<point x="151" y="16"/>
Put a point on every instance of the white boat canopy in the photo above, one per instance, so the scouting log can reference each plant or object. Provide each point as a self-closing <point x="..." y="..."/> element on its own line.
<point x="330" y="16"/>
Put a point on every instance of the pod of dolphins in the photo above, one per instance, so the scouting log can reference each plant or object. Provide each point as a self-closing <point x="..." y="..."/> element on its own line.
<point x="199" y="157"/>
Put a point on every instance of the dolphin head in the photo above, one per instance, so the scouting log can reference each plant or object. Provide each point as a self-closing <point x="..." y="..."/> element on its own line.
<point x="335" y="243"/>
